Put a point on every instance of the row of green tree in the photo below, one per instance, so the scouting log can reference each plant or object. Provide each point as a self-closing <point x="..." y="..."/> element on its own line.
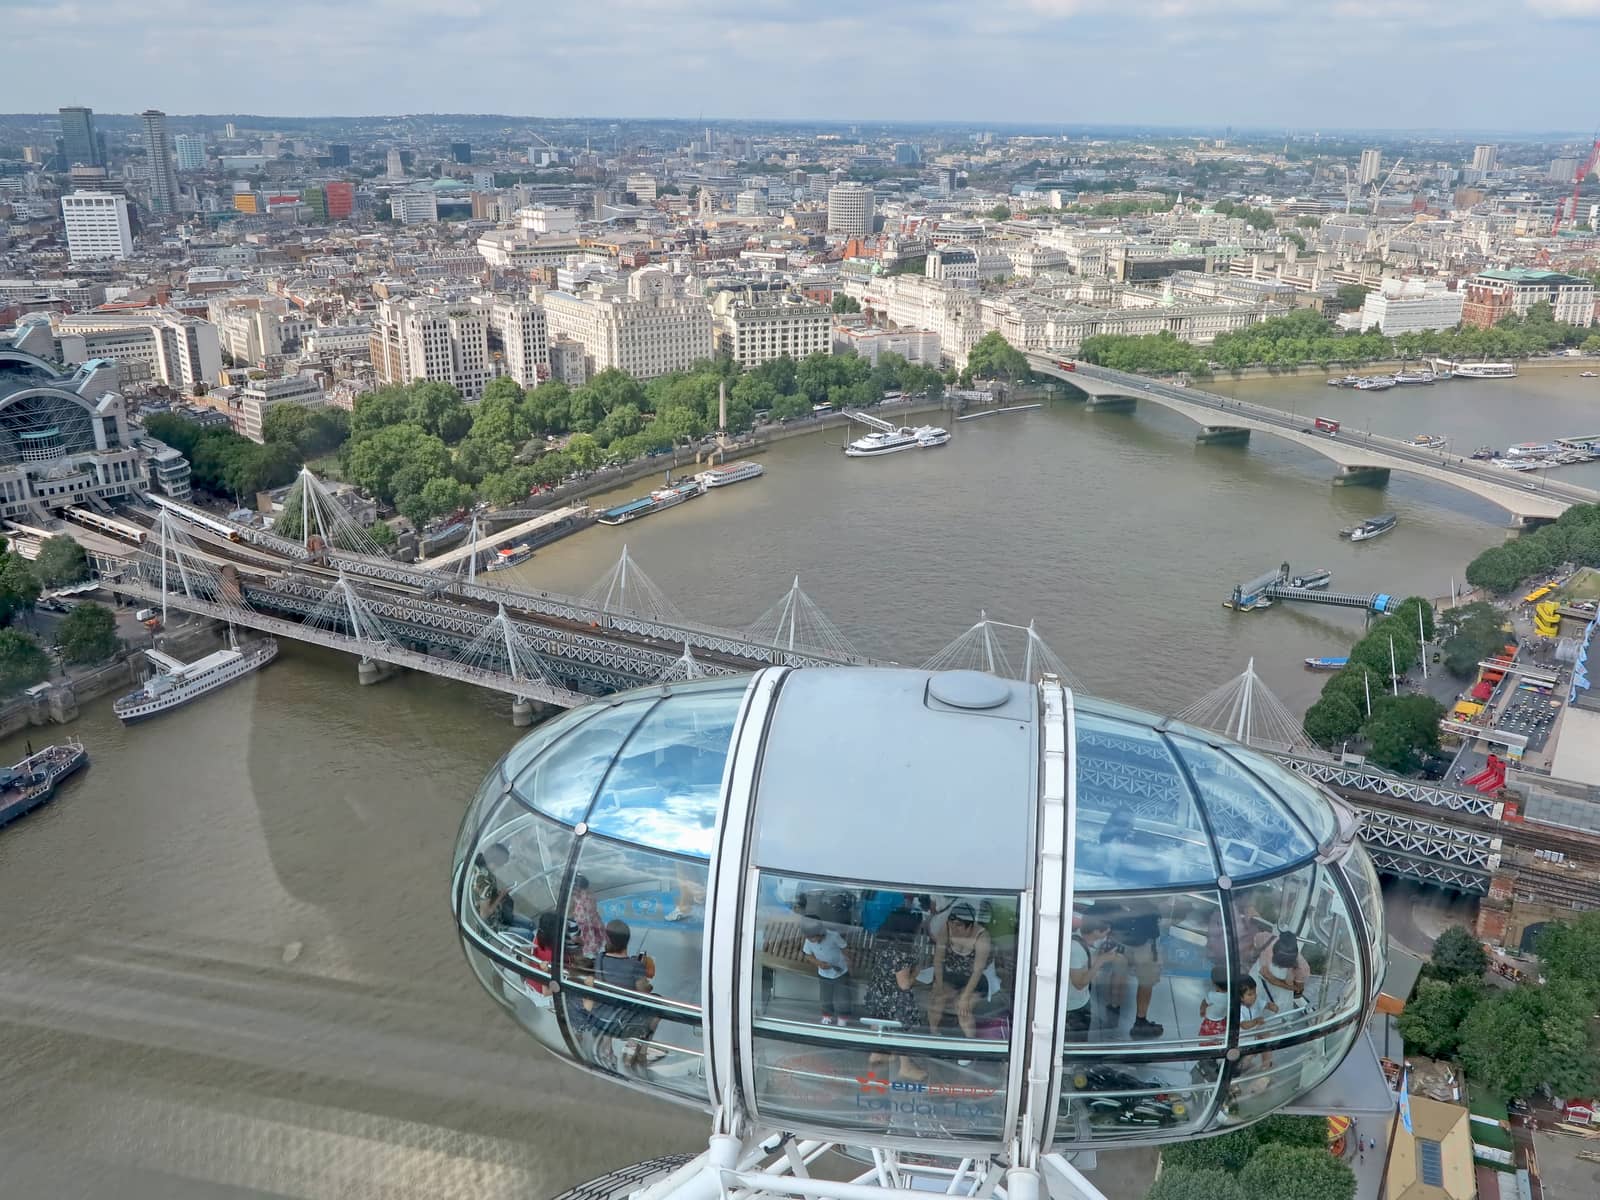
<point x="1397" y="729"/>
<point x="1513" y="1041"/>
<point x="1574" y="537"/>
<point x="87" y="634"/>
<point x="423" y="449"/>
<point x="1280" y="1158"/>
<point x="1306" y="337"/>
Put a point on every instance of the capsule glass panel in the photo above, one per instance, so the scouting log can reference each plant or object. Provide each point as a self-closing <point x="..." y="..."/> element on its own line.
<point x="1299" y="953"/>
<point x="665" y="788"/>
<point x="1254" y="832"/>
<point x="1138" y="826"/>
<point x="1266" y="1079"/>
<point x="563" y="782"/>
<point x="1141" y="973"/>
<point x="1298" y="794"/>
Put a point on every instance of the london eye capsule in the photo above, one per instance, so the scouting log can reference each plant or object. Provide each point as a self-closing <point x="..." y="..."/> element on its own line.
<point x="936" y="915"/>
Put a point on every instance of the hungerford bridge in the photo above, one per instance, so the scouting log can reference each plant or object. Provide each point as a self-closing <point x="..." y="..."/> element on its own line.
<point x="1362" y="457"/>
<point x="541" y="648"/>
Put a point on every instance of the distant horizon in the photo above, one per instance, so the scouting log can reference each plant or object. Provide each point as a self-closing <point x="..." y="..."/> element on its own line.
<point x="867" y="124"/>
<point x="1517" y="66"/>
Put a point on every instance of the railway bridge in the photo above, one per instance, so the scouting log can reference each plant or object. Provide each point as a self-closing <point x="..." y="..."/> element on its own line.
<point x="1361" y="457"/>
<point x="546" y="649"/>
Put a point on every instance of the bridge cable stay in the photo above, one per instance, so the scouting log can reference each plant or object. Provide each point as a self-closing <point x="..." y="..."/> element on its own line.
<point x="983" y="648"/>
<point x="1245" y="709"/>
<point x="797" y="623"/>
<point x="171" y="560"/>
<point x="501" y="648"/>
<point x="625" y="588"/>
<point x="343" y="611"/>
<point x="682" y="669"/>
<point x="321" y="514"/>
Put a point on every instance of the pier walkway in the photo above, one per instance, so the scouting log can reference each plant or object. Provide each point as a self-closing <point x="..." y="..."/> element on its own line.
<point x="486" y="543"/>
<point x="1362" y="457"/>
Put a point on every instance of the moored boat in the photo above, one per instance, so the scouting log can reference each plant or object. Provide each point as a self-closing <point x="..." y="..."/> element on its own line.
<point x="176" y="682"/>
<point x="727" y="473"/>
<point x="1375" y="383"/>
<point x="1405" y="377"/>
<point x="1312" y="580"/>
<point x="510" y="556"/>
<point x="1484" y="453"/>
<point x="1427" y="441"/>
<point x="31" y="783"/>
<point x="1485" y="370"/>
<point x="1326" y="664"/>
<point x="668" y="495"/>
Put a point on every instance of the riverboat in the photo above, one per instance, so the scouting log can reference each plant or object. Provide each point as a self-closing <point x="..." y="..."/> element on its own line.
<point x="1485" y="370"/>
<point x="668" y="495"/>
<point x="1349" y="381"/>
<point x="1375" y="383"/>
<point x="510" y="556"/>
<point x="729" y="473"/>
<point x="1326" y="664"/>
<point x="1534" y="449"/>
<point x="1312" y="580"/>
<point x="1427" y="441"/>
<point x="1412" y="377"/>
<point x="176" y="682"/>
<point x="32" y="783"/>
<point x="892" y="441"/>
<point x="1586" y="375"/>
<point x="1484" y="453"/>
<point x="1370" y="528"/>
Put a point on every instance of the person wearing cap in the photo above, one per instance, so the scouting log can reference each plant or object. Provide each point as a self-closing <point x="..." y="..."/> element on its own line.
<point x="491" y="898"/>
<point x="826" y="948"/>
<point x="960" y="955"/>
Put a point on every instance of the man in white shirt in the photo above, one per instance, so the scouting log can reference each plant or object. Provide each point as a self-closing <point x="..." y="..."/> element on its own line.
<point x="1088" y="956"/>
<point x="826" y="948"/>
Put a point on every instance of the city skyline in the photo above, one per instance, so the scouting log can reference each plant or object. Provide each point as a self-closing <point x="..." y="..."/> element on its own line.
<point x="1357" y="65"/>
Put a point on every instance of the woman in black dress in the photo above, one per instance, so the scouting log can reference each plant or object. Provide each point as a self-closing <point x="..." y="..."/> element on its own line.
<point x="890" y="995"/>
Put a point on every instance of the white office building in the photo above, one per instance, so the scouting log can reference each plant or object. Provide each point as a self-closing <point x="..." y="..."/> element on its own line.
<point x="643" y="188"/>
<point x="177" y="350"/>
<point x="650" y="331"/>
<point x="432" y="339"/>
<point x="260" y="395"/>
<point x="913" y="345"/>
<point x="520" y="334"/>
<point x="97" y="226"/>
<point x="1371" y="165"/>
<point x="190" y="150"/>
<point x="414" y="206"/>
<point x="754" y="327"/>
<point x="1411" y="306"/>
<point x="750" y="203"/>
<point x="850" y="209"/>
<point x="1485" y="158"/>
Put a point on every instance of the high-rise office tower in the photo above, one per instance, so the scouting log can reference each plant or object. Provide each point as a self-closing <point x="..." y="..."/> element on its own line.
<point x="461" y="152"/>
<point x="80" y="145"/>
<point x="228" y="131"/>
<point x="97" y="226"/>
<point x="396" y="167"/>
<point x="191" y="151"/>
<point x="850" y="209"/>
<point x="339" y="154"/>
<point x="158" y="162"/>
<point x="1485" y="158"/>
<point x="1371" y="164"/>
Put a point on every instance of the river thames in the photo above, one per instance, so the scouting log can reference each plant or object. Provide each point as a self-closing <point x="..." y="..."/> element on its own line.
<point x="230" y="968"/>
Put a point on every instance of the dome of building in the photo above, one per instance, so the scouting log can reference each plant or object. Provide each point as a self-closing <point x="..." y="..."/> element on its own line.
<point x="934" y="911"/>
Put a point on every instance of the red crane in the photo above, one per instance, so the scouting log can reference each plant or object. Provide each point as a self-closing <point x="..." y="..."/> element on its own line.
<point x="1577" y="185"/>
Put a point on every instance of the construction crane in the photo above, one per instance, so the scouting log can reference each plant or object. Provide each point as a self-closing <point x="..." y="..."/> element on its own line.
<point x="1570" y="209"/>
<point x="1378" y="188"/>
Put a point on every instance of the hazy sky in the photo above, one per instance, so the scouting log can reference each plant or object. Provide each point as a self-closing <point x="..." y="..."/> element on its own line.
<point x="1471" y="64"/>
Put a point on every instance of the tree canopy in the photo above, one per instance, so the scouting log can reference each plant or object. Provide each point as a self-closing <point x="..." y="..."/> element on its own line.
<point x="22" y="662"/>
<point x="1477" y="634"/>
<point x="88" y="634"/>
<point x="1573" y="537"/>
<point x="1431" y="1022"/>
<point x="221" y="461"/>
<point x="1570" y="950"/>
<point x="1399" y="727"/>
<point x="1457" y="956"/>
<point x="1530" y="1036"/>
<point x="995" y="358"/>
<point x="1283" y="1172"/>
<point x="61" y="561"/>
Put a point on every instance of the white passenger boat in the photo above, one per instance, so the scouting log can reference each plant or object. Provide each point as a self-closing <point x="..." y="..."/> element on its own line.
<point x="888" y="438"/>
<point x="1485" y="370"/>
<point x="176" y="682"/>
<point x="726" y="473"/>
